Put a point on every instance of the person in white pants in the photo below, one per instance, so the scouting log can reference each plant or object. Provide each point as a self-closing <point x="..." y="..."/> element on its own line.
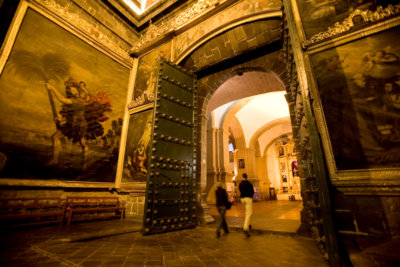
<point x="246" y="197"/>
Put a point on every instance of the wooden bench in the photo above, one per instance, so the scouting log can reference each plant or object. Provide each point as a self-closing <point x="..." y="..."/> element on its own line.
<point x="91" y="208"/>
<point x="31" y="211"/>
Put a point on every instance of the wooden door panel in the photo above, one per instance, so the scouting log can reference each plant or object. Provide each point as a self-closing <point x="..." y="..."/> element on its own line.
<point x="171" y="182"/>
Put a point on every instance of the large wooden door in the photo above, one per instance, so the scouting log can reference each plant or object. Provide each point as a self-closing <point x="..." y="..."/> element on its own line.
<point x="171" y="181"/>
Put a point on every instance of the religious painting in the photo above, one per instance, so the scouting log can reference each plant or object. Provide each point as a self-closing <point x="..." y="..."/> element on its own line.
<point x="360" y="98"/>
<point x="241" y="163"/>
<point x="61" y="104"/>
<point x="318" y="15"/>
<point x="137" y="146"/>
<point x="146" y="77"/>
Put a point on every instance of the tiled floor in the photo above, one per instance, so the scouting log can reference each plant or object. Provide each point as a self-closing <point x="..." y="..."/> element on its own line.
<point x="120" y="243"/>
<point x="273" y="242"/>
<point x="193" y="247"/>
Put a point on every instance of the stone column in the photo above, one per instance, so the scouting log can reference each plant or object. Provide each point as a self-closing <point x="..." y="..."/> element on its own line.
<point x="203" y="210"/>
<point x="218" y="168"/>
<point x="261" y="168"/>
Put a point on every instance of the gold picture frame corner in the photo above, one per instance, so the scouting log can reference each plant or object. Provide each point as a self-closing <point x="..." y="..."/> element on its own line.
<point x="139" y="108"/>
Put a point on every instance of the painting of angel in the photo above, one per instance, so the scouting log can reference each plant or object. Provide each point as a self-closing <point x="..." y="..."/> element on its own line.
<point x="61" y="108"/>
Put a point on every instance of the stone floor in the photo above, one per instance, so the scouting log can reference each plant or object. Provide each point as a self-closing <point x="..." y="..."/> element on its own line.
<point x="273" y="242"/>
<point x="192" y="247"/>
<point x="120" y="243"/>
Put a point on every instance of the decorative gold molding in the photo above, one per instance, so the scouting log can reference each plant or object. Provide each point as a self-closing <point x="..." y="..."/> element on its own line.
<point x="158" y="31"/>
<point x="136" y="109"/>
<point x="354" y="20"/>
<point x="140" y="100"/>
<point x="54" y="183"/>
<point x="133" y="187"/>
<point x="369" y="187"/>
<point x="83" y="25"/>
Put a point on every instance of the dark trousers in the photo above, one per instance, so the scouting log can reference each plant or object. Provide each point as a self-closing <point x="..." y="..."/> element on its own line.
<point x="221" y="222"/>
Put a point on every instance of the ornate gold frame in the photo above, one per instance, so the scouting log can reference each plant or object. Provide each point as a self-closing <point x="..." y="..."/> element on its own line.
<point x="378" y="181"/>
<point x="349" y="26"/>
<point x="138" y="186"/>
<point x="73" y="24"/>
<point x="140" y="108"/>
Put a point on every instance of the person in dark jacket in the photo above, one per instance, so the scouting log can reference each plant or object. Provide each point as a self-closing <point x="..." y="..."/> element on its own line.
<point x="222" y="199"/>
<point x="246" y="197"/>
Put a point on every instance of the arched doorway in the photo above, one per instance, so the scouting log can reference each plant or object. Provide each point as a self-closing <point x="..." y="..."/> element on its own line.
<point x="260" y="127"/>
<point x="260" y="62"/>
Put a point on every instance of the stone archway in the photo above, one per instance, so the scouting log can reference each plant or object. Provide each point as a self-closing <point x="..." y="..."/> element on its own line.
<point x="209" y="85"/>
<point x="259" y="57"/>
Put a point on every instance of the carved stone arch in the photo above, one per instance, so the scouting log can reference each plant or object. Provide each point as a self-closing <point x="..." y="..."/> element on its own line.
<point x="267" y="60"/>
<point x="237" y="132"/>
<point x="198" y="43"/>
<point x="261" y="32"/>
<point x="269" y="81"/>
<point x="210" y="120"/>
<point x="272" y="142"/>
<point x="231" y="113"/>
<point x="267" y="127"/>
<point x="269" y="66"/>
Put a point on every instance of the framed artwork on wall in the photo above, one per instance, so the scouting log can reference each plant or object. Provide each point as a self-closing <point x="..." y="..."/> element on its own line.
<point x="146" y="77"/>
<point x="241" y="163"/>
<point x="62" y="102"/>
<point x="319" y="15"/>
<point x="137" y="146"/>
<point x="359" y="104"/>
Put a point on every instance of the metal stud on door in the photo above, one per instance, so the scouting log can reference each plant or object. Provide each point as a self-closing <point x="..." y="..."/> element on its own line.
<point x="171" y="183"/>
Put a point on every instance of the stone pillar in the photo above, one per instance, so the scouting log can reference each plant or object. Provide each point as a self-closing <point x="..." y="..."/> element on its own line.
<point x="218" y="160"/>
<point x="261" y="168"/>
<point x="204" y="214"/>
<point x="210" y="159"/>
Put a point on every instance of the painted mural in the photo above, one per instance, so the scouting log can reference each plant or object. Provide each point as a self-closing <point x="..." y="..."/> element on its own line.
<point x="137" y="147"/>
<point x="146" y="77"/>
<point x="318" y="15"/>
<point x="61" y="105"/>
<point x="360" y="96"/>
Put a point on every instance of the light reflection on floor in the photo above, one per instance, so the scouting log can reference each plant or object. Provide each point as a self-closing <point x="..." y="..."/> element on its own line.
<point x="278" y="215"/>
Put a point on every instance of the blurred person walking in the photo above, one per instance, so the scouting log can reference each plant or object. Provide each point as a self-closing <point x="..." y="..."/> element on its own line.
<point x="246" y="197"/>
<point x="222" y="201"/>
